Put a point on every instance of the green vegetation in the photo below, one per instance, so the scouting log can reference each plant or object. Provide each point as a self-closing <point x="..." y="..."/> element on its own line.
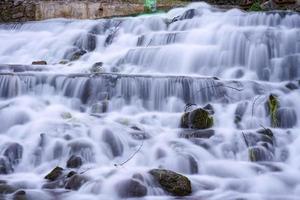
<point x="255" y="7"/>
<point x="273" y="105"/>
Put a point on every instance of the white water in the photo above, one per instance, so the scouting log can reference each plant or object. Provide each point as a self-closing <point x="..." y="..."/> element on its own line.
<point x="161" y="66"/>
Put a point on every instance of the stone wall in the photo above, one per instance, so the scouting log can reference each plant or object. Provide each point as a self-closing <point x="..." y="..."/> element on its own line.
<point x="17" y="11"/>
<point x="29" y="10"/>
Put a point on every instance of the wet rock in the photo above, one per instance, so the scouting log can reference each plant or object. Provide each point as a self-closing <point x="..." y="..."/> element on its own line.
<point x="54" y="184"/>
<point x="77" y="54"/>
<point x="240" y="112"/>
<point x="286" y="118"/>
<point x="100" y="107"/>
<point x="14" y="153"/>
<point x="113" y="142"/>
<point x="19" y="195"/>
<point x="172" y="182"/>
<point x="209" y="108"/>
<point x="5" y="166"/>
<point x="207" y="133"/>
<point x="55" y="174"/>
<point x="131" y="188"/>
<point x="193" y="165"/>
<point x="291" y="86"/>
<point x="74" y="162"/>
<point x="97" y="67"/>
<point x="84" y="149"/>
<point x="197" y="119"/>
<point x="76" y="181"/>
<point x="259" y="153"/>
<point x="7" y="189"/>
<point x="87" y="42"/>
<point x="40" y="62"/>
<point x="63" y="62"/>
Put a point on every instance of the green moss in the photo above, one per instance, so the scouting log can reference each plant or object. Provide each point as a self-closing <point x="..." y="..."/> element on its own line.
<point x="273" y="105"/>
<point x="255" y="7"/>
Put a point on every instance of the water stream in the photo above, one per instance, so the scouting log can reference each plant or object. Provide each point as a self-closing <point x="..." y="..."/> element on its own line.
<point x="114" y="88"/>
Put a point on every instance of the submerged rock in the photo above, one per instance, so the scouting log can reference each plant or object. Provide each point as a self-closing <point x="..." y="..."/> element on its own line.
<point x="286" y="118"/>
<point x="131" y="188"/>
<point x="97" y="67"/>
<point x="7" y="189"/>
<point x="5" y="166"/>
<point x="74" y="162"/>
<point x="76" y="181"/>
<point x="207" y="133"/>
<point x="172" y="182"/>
<point x="55" y="174"/>
<point x="197" y="119"/>
<point x="113" y="142"/>
<point x="259" y="153"/>
<point x="19" y="195"/>
<point x="13" y="152"/>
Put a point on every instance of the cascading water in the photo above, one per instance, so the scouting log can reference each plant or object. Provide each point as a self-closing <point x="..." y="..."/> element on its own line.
<point x="111" y="98"/>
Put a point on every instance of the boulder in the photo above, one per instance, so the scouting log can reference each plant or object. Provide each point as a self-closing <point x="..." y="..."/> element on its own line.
<point x="113" y="142"/>
<point x="6" y="189"/>
<point x="76" y="181"/>
<point x="19" y="195"/>
<point x="13" y="152"/>
<point x="97" y="67"/>
<point x="197" y="119"/>
<point x="292" y="86"/>
<point x="82" y="148"/>
<point x="131" y="188"/>
<point x="55" y="174"/>
<point x="39" y="62"/>
<point x="74" y="162"/>
<point x="5" y="166"/>
<point x="172" y="182"/>
<point x="77" y="54"/>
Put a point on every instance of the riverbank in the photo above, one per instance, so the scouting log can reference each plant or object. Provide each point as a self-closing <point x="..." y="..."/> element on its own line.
<point x="33" y="10"/>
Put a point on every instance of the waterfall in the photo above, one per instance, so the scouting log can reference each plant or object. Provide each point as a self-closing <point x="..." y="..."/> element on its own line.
<point x="109" y="105"/>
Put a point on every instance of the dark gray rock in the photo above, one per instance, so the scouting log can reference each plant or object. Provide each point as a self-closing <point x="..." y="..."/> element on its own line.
<point x="206" y="134"/>
<point x="131" y="188"/>
<point x="172" y="182"/>
<point x="7" y="189"/>
<point x="113" y="142"/>
<point x="14" y="153"/>
<point x="56" y="173"/>
<point x="197" y="119"/>
<point x="76" y="181"/>
<point x="74" y="162"/>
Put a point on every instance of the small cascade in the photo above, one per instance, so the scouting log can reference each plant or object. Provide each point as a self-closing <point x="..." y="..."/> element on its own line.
<point x="127" y="108"/>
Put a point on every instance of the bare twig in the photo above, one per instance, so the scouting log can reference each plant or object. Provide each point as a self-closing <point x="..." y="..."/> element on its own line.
<point x="221" y="85"/>
<point x="140" y="147"/>
<point x="246" y="142"/>
<point x="252" y="109"/>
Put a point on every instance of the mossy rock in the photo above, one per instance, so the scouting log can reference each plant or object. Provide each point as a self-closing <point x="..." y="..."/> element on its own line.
<point x="259" y="153"/>
<point x="54" y="174"/>
<point x="172" y="182"/>
<point x="273" y="105"/>
<point x="197" y="119"/>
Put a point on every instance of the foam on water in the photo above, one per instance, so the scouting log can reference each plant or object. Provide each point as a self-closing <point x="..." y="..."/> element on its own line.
<point x="154" y="65"/>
